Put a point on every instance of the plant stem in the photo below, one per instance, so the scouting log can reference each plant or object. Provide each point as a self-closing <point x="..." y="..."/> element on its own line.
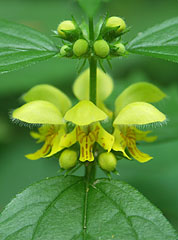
<point x="90" y="167"/>
<point x="93" y="83"/>
<point x="93" y="66"/>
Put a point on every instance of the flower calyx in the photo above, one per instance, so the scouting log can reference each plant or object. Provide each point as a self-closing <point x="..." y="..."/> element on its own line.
<point x="113" y="28"/>
<point x="107" y="161"/>
<point x="68" y="159"/>
<point x="69" y="30"/>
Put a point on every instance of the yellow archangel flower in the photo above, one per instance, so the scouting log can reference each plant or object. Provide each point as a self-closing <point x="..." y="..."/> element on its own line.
<point x="132" y="109"/>
<point x="86" y="116"/>
<point x="48" y="106"/>
<point x="104" y="88"/>
<point x="45" y="105"/>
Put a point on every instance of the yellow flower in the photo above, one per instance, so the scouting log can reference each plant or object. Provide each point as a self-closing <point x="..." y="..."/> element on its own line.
<point x="132" y="110"/>
<point x="86" y="116"/>
<point x="48" y="106"/>
<point x="45" y="105"/>
<point x="104" y="88"/>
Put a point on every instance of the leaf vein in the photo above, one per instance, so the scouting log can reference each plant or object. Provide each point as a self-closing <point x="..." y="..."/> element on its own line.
<point x="49" y="206"/>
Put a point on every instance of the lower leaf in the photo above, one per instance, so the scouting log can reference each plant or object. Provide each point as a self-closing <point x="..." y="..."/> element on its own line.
<point x="62" y="208"/>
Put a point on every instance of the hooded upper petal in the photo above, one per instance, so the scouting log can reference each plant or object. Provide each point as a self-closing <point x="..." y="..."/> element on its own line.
<point x="38" y="112"/>
<point x="48" y="93"/>
<point x="85" y="113"/>
<point x="138" y="92"/>
<point x="104" y="85"/>
<point x="139" y="113"/>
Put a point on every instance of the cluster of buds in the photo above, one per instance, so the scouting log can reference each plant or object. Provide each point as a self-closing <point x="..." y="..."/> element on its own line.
<point x="106" y="44"/>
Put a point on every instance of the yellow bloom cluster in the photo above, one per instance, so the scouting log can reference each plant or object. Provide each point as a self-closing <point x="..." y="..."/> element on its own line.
<point x="48" y="106"/>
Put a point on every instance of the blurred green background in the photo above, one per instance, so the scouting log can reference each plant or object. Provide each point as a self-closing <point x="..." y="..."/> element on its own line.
<point x="157" y="179"/>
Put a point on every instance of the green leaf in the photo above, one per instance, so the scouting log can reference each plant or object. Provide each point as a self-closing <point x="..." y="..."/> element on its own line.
<point x="62" y="208"/>
<point x="89" y="6"/>
<point x="160" y="41"/>
<point x="21" y="46"/>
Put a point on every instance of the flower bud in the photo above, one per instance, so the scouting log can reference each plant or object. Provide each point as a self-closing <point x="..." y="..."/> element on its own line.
<point x="120" y="49"/>
<point x="113" y="22"/>
<point x="101" y="48"/>
<point x="63" y="50"/>
<point x="68" y="159"/>
<point x="80" y="47"/>
<point x="65" y="26"/>
<point x="107" y="161"/>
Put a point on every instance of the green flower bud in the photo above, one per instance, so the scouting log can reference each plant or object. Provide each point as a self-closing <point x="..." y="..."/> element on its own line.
<point x="113" y="22"/>
<point x="107" y="161"/>
<point x="80" y="47"/>
<point x="65" y="26"/>
<point x="101" y="48"/>
<point x="68" y="159"/>
<point x="120" y="49"/>
<point x="63" y="51"/>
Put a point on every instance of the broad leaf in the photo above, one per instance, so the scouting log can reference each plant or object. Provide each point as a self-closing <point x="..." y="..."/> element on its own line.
<point x="21" y="46"/>
<point x="62" y="208"/>
<point x="160" y="41"/>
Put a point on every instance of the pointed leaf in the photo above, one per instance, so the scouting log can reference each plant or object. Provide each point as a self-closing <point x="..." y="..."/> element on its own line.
<point x="139" y="113"/>
<point x="38" y="112"/>
<point x="160" y="41"/>
<point x="48" y="93"/>
<point x="21" y="46"/>
<point x="138" y="92"/>
<point x="63" y="208"/>
<point x="84" y="113"/>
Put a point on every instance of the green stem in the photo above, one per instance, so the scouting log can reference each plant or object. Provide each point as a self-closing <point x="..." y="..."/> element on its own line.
<point x="90" y="168"/>
<point x="93" y="65"/>
<point x="93" y="86"/>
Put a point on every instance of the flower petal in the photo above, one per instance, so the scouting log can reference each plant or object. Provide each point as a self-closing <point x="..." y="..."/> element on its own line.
<point x="138" y="92"/>
<point x="38" y="112"/>
<point x="104" y="85"/>
<point x="119" y="142"/>
<point x="84" y="113"/>
<point x="105" y="139"/>
<point x="142" y="135"/>
<point x="103" y="107"/>
<point x="139" y="113"/>
<point x="86" y="147"/>
<point x="56" y="143"/>
<point x="68" y="139"/>
<point x="41" y="152"/>
<point x="48" y="93"/>
<point x="136" y="153"/>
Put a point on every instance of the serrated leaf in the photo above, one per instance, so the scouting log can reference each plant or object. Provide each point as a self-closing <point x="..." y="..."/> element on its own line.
<point x="160" y="41"/>
<point x="62" y="208"/>
<point x="21" y="46"/>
